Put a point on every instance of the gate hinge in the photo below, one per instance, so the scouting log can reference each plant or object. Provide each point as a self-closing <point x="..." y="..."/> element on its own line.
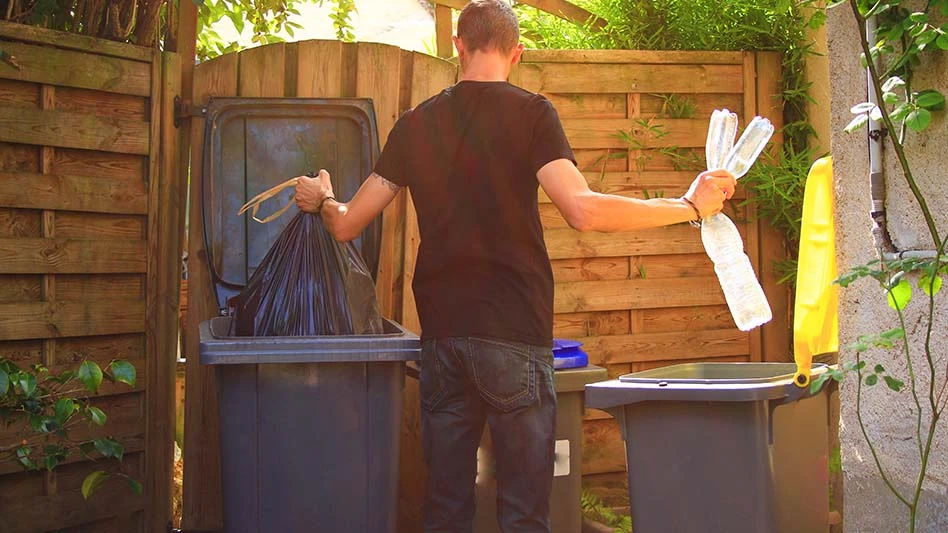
<point x="185" y="109"/>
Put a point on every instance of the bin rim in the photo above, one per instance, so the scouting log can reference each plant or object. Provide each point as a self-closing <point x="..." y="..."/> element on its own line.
<point x="615" y="392"/>
<point x="215" y="349"/>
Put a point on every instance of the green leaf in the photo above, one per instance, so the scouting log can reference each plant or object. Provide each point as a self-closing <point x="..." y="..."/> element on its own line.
<point x="4" y="382"/>
<point x="50" y="462"/>
<point x="97" y="416"/>
<point x="872" y="379"/>
<point x="856" y="123"/>
<point x="90" y="375"/>
<point x="899" y="295"/>
<point x="931" y="100"/>
<point x="893" y="83"/>
<point x="63" y="409"/>
<point x="942" y="41"/>
<point x="894" y="384"/>
<point x="930" y="285"/>
<point x="901" y="111"/>
<point x="817" y="382"/>
<point x="123" y="372"/>
<point x="879" y="369"/>
<point x="109" y="448"/>
<point x="23" y="457"/>
<point x="27" y="384"/>
<point x="890" y="98"/>
<point x="92" y="481"/>
<point x="919" y="119"/>
<point x="86" y="449"/>
<point x="135" y="486"/>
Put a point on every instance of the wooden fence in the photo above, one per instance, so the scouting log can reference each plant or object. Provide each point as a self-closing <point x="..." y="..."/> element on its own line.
<point x="90" y="260"/>
<point x="638" y="299"/>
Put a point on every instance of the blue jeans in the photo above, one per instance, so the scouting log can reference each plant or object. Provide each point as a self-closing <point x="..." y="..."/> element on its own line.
<point x="466" y="382"/>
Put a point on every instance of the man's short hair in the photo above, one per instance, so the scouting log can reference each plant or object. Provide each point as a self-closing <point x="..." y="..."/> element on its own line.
<point x="489" y="25"/>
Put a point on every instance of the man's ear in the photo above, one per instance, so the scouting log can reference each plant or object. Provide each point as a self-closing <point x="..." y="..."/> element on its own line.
<point x="459" y="44"/>
<point x="517" y="53"/>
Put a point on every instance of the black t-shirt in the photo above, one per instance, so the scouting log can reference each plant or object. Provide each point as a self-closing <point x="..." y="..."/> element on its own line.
<point x="470" y="157"/>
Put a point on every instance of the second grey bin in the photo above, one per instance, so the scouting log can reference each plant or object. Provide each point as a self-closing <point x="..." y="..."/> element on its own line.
<point x="722" y="448"/>
<point x="565" y="497"/>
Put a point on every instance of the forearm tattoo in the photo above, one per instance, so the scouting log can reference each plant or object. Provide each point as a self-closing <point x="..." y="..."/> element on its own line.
<point x="394" y="187"/>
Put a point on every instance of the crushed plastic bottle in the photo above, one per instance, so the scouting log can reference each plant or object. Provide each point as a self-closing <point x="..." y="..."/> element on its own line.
<point x="721" y="133"/>
<point x="748" y="147"/>
<point x="743" y="293"/>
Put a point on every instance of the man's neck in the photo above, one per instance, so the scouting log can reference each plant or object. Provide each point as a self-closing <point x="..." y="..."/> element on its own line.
<point x="485" y="67"/>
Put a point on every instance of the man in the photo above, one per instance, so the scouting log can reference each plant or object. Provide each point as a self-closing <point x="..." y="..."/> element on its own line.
<point x="472" y="157"/>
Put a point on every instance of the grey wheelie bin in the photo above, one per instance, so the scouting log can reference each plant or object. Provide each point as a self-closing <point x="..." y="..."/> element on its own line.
<point x="310" y="426"/>
<point x="722" y="447"/>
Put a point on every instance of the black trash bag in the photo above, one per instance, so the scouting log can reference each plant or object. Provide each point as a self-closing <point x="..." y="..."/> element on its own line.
<point x="308" y="284"/>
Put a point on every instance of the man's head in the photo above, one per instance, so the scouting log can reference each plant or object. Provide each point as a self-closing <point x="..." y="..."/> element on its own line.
<point x="490" y="27"/>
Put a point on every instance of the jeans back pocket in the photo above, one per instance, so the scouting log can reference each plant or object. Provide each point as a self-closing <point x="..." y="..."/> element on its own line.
<point x="504" y="373"/>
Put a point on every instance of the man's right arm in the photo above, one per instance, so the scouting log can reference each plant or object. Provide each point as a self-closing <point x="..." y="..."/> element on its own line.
<point x="586" y="210"/>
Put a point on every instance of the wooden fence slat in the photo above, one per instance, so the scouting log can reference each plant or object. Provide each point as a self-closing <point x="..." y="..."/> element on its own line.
<point x="70" y="256"/>
<point x="775" y="336"/>
<point x="630" y="78"/>
<point x="167" y="196"/>
<point x="604" y="133"/>
<point x="72" y="193"/>
<point x="201" y="508"/>
<point x="444" y="30"/>
<point x="319" y="73"/>
<point x="603" y="448"/>
<point x="572" y="325"/>
<point x="51" y="66"/>
<point x="673" y="346"/>
<point x="590" y="269"/>
<point x="69" y="319"/>
<point x="613" y="295"/>
<point x="570" y="244"/>
<point x="377" y="78"/>
<point x="67" y="130"/>
<point x="686" y="319"/>
<point x="672" y="266"/>
<point x="120" y="106"/>
<point x="92" y="45"/>
<point x="262" y="71"/>
<point x="652" y="57"/>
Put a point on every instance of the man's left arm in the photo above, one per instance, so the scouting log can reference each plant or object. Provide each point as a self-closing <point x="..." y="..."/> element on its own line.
<point x="345" y="220"/>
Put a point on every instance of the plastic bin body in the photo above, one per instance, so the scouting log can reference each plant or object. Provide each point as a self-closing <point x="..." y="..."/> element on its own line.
<point x="310" y="428"/>
<point x="711" y="447"/>
<point x="565" y="498"/>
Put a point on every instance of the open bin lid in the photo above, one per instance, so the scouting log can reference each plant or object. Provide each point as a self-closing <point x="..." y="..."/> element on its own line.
<point x="701" y="382"/>
<point x="253" y="144"/>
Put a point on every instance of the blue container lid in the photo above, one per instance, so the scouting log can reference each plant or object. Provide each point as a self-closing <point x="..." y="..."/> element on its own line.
<point x="567" y="354"/>
<point x="578" y="360"/>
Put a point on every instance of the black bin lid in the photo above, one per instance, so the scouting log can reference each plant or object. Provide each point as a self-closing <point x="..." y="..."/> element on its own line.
<point x="253" y="144"/>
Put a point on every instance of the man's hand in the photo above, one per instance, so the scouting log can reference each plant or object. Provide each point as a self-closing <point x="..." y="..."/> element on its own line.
<point x="311" y="192"/>
<point x="709" y="191"/>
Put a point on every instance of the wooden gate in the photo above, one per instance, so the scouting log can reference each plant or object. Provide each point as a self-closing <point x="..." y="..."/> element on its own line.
<point x="90" y="233"/>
